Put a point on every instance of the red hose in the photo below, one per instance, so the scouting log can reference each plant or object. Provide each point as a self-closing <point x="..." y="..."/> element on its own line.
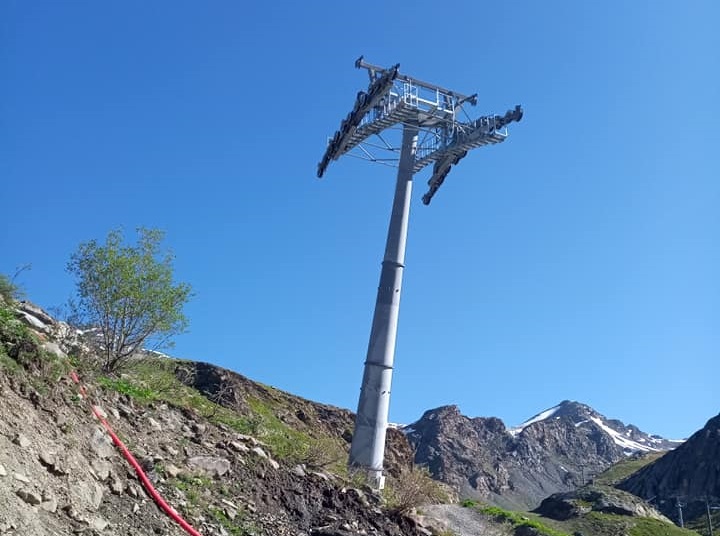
<point x="169" y="510"/>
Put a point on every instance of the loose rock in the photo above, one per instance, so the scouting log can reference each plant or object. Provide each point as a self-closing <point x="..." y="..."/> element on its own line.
<point x="211" y="465"/>
<point x="21" y="478"/>
<point x="21" y="441"/>
<point x="29" y="497"/>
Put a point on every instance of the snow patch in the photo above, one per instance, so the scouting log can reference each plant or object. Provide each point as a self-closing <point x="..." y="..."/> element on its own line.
<point x="580" y="423"/>
<point x="537" y="418"/>
<point x="619" y="439"/>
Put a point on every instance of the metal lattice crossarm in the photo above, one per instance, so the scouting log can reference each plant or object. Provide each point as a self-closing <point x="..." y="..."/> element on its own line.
<point x="393" y="100"/>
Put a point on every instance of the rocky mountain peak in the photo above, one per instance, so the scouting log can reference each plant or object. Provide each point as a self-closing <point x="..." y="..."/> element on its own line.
<point x="556" y="450"/>
<point x="628" y="437"/>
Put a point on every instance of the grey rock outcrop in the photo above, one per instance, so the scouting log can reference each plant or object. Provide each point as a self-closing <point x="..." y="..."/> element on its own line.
<point x="562" y="506"/>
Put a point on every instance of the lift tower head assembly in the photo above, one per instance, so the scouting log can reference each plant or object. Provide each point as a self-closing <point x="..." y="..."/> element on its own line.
<point x="435" y="130"/>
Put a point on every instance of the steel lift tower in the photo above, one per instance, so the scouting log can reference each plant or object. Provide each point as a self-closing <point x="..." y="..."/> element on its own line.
<point x="435" y="130"/>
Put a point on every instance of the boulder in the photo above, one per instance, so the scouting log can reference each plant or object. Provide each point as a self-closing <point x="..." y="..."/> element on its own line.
<point x="211" y="465"/>
<point x="597" y="498"/>
<point x="33" y="310"/>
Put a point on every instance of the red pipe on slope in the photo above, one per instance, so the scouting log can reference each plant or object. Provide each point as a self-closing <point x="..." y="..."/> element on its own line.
<point x="169" y="510"/>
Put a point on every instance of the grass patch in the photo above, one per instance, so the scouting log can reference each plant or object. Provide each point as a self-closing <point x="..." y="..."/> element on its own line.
<point x="126" y="387"/>
<point x="284" y="441"/>
<point x="192" y="487"/>
<point x="654" y="527"/>
<point x="238" y="526"/>
<point x="699" y="524"/>
<point x="154" y="380"/>
<point x="600" y="524"/>
<point x="513" y="518"/>
<point x="625" y="468"/>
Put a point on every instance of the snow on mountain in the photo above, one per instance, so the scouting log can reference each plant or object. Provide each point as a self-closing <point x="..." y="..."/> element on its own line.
<point x="626" y="444"/>
<point x="628" y="437"/>
<point x="537" y="418"/>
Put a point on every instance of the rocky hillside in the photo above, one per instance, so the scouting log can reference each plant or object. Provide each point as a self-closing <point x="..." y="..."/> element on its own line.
<point x="687" y="475"/>
<point x="557" y="450"/>
<point x="231" y="456"/>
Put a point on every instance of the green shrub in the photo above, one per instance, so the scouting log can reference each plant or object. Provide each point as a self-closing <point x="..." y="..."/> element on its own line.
<point x="413" y="488"/>
<point x="8" y="290"/>
<point x="16" y="340"/>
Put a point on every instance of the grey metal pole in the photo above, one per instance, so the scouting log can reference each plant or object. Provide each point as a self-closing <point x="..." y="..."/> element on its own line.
<point x="680" y="515"/>
<point x="709" y="517"/>
<point x="368" y="444"/>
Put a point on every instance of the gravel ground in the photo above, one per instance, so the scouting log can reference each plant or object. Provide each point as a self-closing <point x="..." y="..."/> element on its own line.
<point x="462" y="521"/>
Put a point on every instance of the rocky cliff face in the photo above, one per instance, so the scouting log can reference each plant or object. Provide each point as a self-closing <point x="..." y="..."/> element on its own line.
<point x="687" y="475"/>
<point x="557" y="450"/>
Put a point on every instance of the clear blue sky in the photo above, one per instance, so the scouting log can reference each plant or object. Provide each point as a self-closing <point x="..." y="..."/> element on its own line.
<point x="578" y="260"/>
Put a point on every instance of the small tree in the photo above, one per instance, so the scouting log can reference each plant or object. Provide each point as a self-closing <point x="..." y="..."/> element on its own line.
<point x="8" y="290"/>
<point x="128" y="292"/>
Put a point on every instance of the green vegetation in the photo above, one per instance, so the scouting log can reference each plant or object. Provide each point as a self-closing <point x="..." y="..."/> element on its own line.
<point x="700" y="523"/>
<point x="154" y="379"/>
<point x="11" y="333"/>
<point x="195" y="490"/>
<point x="238" y="526"/>
<point x="192" y="487"/>
<point x="513" y="518"/>
<point x="591" y="524"/>
<point x="20" y="350"/>
<point x="655" y="527"/>
<point x="518" y="520"/>
<point x="128" y="292"/>
<point x="411" y="489"/>
<point x="8" y="289"/>
<point x="125" y="387"/>
<point x="626" y="467"/>
<point x="611" y="525"/>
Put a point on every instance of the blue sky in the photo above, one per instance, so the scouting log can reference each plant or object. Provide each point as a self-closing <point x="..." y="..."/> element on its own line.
<point x="577" y="260"/>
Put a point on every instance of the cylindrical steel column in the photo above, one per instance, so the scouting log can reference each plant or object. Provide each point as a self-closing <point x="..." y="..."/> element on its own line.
<point x="368" y="443"/>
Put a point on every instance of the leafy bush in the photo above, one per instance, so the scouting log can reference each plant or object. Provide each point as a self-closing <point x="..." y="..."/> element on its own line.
<point x="413" y="488"/>
<point x="16" y="340"/>
<point x="319" y="453"/>
<point x="8" y="290"/>
<point x="128" y="292"/>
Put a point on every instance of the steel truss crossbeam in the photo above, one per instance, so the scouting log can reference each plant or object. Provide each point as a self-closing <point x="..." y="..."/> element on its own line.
<point x="393" y="100"/>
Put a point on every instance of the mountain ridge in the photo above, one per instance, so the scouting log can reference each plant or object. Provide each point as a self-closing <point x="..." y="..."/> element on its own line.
<point x="687" y="475"/>
<point x="557" y="450"/>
